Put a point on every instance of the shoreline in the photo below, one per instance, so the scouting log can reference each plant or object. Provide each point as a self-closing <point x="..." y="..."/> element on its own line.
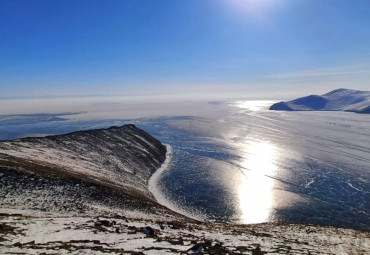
<point x="157" y="192"/>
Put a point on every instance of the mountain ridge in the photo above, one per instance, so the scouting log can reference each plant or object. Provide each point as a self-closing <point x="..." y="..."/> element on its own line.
<point x="122" y="157"/>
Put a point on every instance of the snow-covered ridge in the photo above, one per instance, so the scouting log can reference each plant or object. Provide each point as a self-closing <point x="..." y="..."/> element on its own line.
<point x="118" y="157"/>
<point x="336" y="100"/>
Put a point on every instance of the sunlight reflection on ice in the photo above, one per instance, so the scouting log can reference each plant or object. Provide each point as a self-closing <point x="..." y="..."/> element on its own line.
<point x="253" y="105"/>
<point x="255" y="187"/>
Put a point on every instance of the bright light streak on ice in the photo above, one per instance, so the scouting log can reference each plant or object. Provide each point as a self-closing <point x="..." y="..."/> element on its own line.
<point x="255" y="187"/>
<point x="254" y="105"/>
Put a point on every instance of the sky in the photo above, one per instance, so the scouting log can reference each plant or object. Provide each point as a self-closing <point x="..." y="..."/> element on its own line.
<point x="243" y="48"/>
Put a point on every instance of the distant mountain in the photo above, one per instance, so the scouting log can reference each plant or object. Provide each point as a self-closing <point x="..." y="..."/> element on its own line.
<point x="337" y="100"/>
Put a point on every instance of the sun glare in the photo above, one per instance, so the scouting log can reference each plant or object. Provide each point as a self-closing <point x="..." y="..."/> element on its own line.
<point x="255" y="188"/>
<point x="253" y="105"/>
<point x="256" y="8"/>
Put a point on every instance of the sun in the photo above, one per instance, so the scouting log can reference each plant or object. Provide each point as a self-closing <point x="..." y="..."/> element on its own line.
<point x="253" y="7"/>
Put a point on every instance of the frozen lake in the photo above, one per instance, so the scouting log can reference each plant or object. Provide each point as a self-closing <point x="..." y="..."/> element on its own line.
<point x="236" y="161"/>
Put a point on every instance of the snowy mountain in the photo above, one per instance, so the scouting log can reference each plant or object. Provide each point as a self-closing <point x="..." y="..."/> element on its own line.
<point x="336" y="100"/>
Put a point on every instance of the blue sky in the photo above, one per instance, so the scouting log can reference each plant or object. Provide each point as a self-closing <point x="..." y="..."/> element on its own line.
<point x="241" y="47"/>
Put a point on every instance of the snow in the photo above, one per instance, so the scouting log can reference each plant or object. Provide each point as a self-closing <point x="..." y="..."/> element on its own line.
<point x="79" y="235"/>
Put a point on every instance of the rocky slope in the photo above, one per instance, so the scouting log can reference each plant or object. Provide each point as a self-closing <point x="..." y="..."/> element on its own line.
<point x="336" y="100"/>
<point x="87" y="193"/>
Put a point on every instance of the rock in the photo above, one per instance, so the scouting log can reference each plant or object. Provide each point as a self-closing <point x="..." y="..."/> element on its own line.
<point x="196" y="248"/>
<point x="149" y="231"/>
<point x="105" y="223"/>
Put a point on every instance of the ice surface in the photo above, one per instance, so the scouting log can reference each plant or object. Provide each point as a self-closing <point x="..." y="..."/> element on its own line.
<point x="157" y="190"/>
<point x="314" y="166"/>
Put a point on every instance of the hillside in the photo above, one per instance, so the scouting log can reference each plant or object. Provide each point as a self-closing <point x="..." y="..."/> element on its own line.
<point x="336" y="100"/>
<point x="123" y="158"/>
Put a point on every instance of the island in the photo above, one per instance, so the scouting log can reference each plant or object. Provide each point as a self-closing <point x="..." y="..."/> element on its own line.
<point x="337" y="100"/>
